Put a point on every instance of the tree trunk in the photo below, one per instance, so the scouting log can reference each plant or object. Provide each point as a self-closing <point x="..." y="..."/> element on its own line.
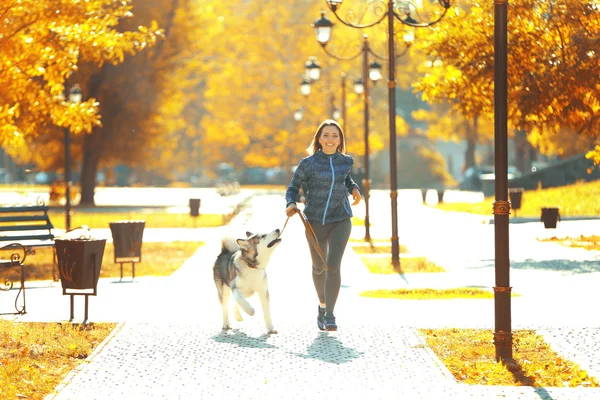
<point x="91" y="147"/>
<point x="521" y="151"/>
<point x="471" y="144"/>
<point x="89" y="168"/>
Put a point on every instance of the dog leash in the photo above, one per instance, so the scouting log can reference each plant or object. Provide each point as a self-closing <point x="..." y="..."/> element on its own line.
<point x="312" y="238"/>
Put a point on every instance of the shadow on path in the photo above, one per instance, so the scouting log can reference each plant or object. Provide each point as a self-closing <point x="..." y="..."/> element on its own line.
<point x="563" y="265"/>
<point x="242" y="340"/>
<point x="521" y="376"/>
<point x="328" y="348"/>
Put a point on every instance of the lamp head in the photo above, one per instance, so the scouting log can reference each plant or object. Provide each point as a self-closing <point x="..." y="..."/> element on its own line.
<point x="75" y="94"/>
<point x="305" y="87"/>
<point x="375" y="71"/>
<point x="359" y="86"/>
<point x="298" y="114"/>
<point x="336" y="114"/>
<point x="312" y="69"/>
<point x="323" y="28"/>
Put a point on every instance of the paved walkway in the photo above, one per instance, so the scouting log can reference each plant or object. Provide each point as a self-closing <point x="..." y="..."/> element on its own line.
<point x="169" y="344"/>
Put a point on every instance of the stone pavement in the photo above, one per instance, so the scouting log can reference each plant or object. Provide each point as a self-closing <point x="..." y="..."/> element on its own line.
<point x="169" y="345"/>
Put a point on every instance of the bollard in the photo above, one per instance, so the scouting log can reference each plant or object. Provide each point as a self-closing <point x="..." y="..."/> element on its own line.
<point x="195" y="207"/>
<point x="550" y="216"/>
<point x="516" y="198"/>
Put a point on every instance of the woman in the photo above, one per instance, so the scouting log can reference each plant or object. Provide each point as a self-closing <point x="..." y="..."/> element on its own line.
<point x="325" y="177"/>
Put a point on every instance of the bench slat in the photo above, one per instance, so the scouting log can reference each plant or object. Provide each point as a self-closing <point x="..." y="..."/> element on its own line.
<point x="16" y="228"/>
<point x="26" y="237"/>
<point x="24" y="218"/>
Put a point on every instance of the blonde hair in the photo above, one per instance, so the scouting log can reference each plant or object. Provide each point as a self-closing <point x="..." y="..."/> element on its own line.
<point x="316" y="146"/>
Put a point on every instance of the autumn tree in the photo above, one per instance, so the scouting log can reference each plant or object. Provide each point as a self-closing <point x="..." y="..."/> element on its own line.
<point x="137" y="95"/>
<point x="251" y="98"/>
<point x="42" y="44"/>
<point x="552" y="68"/>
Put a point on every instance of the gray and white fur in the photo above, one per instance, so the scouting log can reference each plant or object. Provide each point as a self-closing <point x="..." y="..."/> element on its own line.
<point x="240" y="270"/>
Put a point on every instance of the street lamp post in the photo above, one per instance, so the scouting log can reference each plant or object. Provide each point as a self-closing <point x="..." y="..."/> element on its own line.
<point x="343" y="101"/>
<point x="391" y="15"/>
<point x="501" y="207"/>
<point x="323" y="28"/>
<point x="312" y="73"/>
<point x="74" y="96"/>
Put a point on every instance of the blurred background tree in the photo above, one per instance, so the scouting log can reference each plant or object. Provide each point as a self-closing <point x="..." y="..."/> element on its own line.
<point x="554" y="83"/>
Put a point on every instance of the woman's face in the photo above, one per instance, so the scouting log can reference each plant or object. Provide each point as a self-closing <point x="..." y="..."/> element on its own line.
<point x="330" y="139"/>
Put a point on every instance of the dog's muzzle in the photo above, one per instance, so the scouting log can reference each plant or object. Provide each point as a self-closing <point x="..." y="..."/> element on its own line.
<point x="273" y="243"/>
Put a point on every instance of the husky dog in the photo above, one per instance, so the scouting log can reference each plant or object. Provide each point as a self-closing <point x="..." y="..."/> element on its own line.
<point x="240" y="269"/>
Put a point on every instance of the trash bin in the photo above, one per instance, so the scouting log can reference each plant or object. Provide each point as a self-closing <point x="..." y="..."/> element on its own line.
<point x="79" y="263"/>
<point x="127" y="241"/>
<point x="516" y="198"/>
<point x="550" y="216"/>
<point x="195" y="207"/>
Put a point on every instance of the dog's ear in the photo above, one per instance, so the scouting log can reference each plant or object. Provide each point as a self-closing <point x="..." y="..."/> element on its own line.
<point x="248" y="234"/>
<point x="244" y="244"/>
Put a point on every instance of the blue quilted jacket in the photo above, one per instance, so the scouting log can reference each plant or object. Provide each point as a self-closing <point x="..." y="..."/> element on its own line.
<point x="327" y="183"/>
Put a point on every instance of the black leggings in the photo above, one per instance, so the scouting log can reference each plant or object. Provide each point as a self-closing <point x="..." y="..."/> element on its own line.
<point x="332" y="238"/>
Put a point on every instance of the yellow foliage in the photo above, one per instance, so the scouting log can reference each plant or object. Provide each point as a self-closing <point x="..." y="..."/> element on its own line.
<point x="552" y="66"/>
<point x="42" y="43"/>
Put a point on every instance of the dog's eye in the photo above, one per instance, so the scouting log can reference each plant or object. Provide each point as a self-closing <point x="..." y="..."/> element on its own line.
<point x="263" y="236"/>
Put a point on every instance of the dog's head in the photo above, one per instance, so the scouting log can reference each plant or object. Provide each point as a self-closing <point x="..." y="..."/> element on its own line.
<point x="257" y="248"/>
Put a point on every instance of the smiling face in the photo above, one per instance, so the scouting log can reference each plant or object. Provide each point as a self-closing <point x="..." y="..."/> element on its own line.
<point x="330" y="139"/>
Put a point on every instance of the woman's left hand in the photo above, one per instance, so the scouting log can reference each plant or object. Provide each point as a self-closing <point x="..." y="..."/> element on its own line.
<point x="356" y="196"/>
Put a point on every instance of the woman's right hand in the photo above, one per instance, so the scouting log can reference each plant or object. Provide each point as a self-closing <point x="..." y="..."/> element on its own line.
<point x="291" y="210"/>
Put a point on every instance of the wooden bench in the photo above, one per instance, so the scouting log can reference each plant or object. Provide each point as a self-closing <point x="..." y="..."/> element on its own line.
<point x="28" y="228"/>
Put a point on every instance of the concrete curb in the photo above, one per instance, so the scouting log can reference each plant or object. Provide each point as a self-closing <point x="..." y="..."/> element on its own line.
<point x="67" y="379"/>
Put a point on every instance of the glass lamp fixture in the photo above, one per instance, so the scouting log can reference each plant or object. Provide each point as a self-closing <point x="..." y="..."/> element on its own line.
<point x="336" y="114"/>
<point x="298" y="114"/>
<point x="375" y="71"/>
<point x="323" y="28"/>
<point x="359" y="86"/>
<point x="305" y="87"/>
<point x="75" y="94"/>
<point x="312" y="69"/>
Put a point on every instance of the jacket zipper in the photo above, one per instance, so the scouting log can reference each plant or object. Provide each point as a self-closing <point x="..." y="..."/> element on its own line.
<point x="330" y="189"/>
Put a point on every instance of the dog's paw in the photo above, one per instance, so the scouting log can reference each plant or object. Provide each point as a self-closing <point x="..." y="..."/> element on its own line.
<point x="251" y="311"/>
<point x="237" y="315"/>
<point x="226" y="328"/>
<point x="272" y="332"/>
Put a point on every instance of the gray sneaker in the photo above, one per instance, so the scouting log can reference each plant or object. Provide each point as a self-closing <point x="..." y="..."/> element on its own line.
<point x="321" y="319"/>
<point x="330" y="324"/>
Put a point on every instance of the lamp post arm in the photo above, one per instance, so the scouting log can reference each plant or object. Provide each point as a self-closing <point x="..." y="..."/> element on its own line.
<point x="419" y="24"/>
<point x="381" y="57"/>
<point x="330" y="54"/>
<point x="359" y="26"/>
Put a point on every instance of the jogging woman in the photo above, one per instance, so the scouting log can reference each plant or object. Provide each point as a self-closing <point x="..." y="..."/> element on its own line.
<point x="325" y="178"/>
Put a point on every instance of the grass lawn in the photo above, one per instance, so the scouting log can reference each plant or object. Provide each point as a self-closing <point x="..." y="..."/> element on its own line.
<point x="579" y="199"/>
<point x="430" y="294"/>
<point x="469" y="354"/>
<point x="584" y="242"/>
<point x="376" y="247"/>
<point x="158" y="259"/>
<point x="383" y="265"/>
<point x="36" y="357"/>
